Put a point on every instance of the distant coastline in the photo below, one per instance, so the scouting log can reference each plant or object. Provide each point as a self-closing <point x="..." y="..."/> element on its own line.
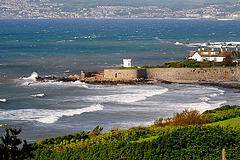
<point x="168" y="18"/>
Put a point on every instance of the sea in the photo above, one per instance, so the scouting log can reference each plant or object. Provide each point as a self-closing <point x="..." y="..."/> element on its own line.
<point x="64" y="47"/>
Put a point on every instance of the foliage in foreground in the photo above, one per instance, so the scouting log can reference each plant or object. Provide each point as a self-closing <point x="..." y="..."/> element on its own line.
<point x="191" y="142"/>
<point x="10" y="141"/>
<point x="182" y="137"/>
<point x="223" y="113"/>
<point x="183" y="119"/>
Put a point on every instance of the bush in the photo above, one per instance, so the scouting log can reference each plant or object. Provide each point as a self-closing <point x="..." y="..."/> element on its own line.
<point x="192" y="142"/>
<point x="223" y="113"/>
<point x="183" y="119"/>
<point x="66" y="139"/>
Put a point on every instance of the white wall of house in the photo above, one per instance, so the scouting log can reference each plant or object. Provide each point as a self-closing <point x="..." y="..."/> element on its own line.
<point x="196" y="56"/>
<point x="199" y="58"/>
<point x="216" y="59"/>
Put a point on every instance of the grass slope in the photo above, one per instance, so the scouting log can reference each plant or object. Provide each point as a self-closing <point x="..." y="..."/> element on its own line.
<point x="235" y="122"/>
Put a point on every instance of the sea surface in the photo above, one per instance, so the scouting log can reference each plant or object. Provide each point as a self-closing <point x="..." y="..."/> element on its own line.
<point x="64" y="47"/>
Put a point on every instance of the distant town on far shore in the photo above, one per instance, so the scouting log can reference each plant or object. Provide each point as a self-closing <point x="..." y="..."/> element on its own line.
<point x="52" y="9"/>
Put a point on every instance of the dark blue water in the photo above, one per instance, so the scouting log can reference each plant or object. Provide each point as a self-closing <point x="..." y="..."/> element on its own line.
<point x="56" y="46"/>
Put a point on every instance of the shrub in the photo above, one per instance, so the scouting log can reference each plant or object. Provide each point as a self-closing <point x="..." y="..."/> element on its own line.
<point x="184" y="118"/>
<point x="223" y="113"/>
<point x="67" y="138"/>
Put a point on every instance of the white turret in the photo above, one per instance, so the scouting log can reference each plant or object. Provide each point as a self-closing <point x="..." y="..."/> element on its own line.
<point x="127" y="63"/>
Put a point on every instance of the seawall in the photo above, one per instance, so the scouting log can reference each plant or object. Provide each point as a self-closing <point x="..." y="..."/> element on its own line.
<point x="179" y="75"/>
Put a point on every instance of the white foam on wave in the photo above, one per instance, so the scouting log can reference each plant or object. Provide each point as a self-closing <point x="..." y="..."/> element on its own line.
<point x="3" y="100"/>
<point x="3" y="125"/>
<point x="129" y="94"/>
<point x="127" y="125"/>
<point x="54" y="83"/>
<point x="201" y="107"/>
<point x="45" y="115"/>
<point x="207" y="93"/>
<point x="211" y="44"/>
<point x="38" y="95"/>
<point x="33" y="77"/>
<point x="204" y="99"/>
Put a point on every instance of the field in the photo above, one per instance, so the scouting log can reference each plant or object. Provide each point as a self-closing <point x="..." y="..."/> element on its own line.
<point x="235" y="122"/>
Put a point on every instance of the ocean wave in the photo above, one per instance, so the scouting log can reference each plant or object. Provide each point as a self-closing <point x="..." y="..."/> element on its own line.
<point x="161" y="40"/>
<point x="3" y="100"/>
<point x="126" y="125"/>
<point x="204" y="99"/>
<point x="129" y="94"/>
<point x="210" y="44"/>
<point x="38" y="95"/>
<point x="45" y="115"/>
<point x="54" y="83"/>
<point x="33" y="77"/>
<point x="63" y="41"/>
<point x="3" y="125"/>
<point x="201" y="107"/>
<point x="87" y="37"/>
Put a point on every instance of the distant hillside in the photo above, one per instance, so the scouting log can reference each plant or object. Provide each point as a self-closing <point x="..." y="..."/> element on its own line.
<point x="173" y="4"/>
<point x="111" y="9"/>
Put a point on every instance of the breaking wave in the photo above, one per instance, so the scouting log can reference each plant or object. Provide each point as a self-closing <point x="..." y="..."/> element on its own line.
<point x="3" y="100"/>
<point x="33" y="77"/>
<point x="54" y="83"/>
<point x="202" y="106"/>
<point x="45" y="115"/>
<point x="129" y="94"/>
<point x="38" y="95"/>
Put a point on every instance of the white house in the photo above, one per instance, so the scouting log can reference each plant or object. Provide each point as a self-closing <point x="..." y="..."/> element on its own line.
<point x="127" y="63"/>
<point x="212" y="55"/>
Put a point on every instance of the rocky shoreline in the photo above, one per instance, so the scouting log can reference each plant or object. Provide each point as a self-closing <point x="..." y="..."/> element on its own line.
<point x="104" y="81"/>
<point x="95" y="81"/>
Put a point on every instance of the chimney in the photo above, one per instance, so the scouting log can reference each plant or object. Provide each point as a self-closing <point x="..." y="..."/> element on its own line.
<point x="226" y="48"/>
<point x="212" y="49"/>
<point x="221" y="49"/>
<point x="203" y="48"/>
<point x="199" y="49"/>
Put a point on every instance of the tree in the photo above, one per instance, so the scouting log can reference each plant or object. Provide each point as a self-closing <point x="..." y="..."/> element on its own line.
<point x="96" y="131"/>
<point x="10" y="143"/>
<point x="227" y="61"/>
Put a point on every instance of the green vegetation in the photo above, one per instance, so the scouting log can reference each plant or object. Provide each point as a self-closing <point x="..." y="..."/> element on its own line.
<point x="223" y="113"/>
<point x="184" y="136"/>
<point x="233" y="122"/>
<point x="8" y="147"/>
<point x="190" y="63"/>
<point x="183" y="119"/>
<point x="135" y="67"/>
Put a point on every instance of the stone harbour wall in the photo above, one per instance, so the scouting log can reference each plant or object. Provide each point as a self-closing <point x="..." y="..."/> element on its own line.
<point x="124" y="74"/>
<point x="184" y="75"/>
